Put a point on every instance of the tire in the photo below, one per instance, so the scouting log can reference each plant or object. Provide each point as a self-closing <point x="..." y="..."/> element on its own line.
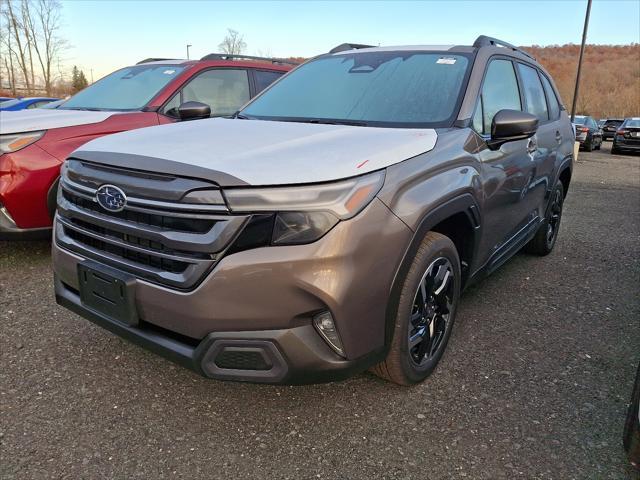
<point x="588" y="146"/>
<point x="631" y="435"/>
<point x="614" y="151"/>
<point x="423" y="315"/>
<point x="545" y="238"/>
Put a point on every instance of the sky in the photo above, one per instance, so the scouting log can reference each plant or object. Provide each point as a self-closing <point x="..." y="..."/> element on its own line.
<point x="108" y="34"/>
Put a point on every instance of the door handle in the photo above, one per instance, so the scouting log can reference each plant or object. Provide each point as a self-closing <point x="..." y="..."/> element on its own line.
<point x="532" y="146"/>
<point x="558" y="137"/>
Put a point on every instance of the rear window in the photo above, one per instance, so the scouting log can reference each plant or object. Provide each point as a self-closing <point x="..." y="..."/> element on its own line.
<point x="632" y="123"/>
<point x="615" y="123"/>
<point x="264" y="78"/>
<point x="10" y="103"/>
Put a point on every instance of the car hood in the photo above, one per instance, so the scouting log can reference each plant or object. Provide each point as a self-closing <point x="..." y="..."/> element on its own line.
<point x="45" y="119"/>
<point x="257" y="152"/>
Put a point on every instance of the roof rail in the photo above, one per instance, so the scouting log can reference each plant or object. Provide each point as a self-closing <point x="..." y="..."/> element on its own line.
<point x="229" y="56"/>
<point x="147" y="60"/>
<point x="484" y="41"/>
<point x="343" y="47"/>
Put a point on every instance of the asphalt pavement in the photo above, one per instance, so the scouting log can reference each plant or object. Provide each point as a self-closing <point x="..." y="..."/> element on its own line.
<point x="534" y="384"/>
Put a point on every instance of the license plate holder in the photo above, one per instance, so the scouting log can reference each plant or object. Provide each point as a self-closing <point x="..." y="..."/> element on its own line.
<point x="108" y="292"/>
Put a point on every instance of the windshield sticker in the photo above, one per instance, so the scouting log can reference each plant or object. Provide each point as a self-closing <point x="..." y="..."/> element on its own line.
<point x="446" y="61"/>
<point x="169" y="72"/>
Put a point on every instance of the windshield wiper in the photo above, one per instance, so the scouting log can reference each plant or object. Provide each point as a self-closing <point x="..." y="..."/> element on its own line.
<point x="329" y="121"/>
<point x="88" y="109"/>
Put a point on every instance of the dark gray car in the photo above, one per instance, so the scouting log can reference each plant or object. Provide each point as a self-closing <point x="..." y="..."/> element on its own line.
<point x="330" y="226"/>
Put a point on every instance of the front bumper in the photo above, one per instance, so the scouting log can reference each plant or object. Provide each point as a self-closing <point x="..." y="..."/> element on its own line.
<point x="27" y="188"/>
<point x="10" y="231"/>
<point x="262" y="302"/>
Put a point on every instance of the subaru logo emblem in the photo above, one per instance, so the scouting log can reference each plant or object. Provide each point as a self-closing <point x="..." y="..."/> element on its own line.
<point x="111" y="198"/>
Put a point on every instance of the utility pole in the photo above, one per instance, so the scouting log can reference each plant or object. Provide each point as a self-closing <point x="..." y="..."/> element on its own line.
<point x="584" y="39"/>
<point x="188" y="45"/>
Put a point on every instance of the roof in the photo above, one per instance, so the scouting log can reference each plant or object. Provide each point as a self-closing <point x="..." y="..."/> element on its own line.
<point x="399" y="48"/>
<point x="482" y="41"/>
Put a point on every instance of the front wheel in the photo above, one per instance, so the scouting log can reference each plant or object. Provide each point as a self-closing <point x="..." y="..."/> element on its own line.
<point x="545" y="238"/>
<point x="425" y="313"/>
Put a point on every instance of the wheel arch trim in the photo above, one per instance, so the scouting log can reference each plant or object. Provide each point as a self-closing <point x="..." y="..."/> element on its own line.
<point x="464" y="203"/>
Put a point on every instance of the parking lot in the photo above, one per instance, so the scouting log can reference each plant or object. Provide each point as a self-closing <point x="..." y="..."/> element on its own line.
<point x="535" y="382"/>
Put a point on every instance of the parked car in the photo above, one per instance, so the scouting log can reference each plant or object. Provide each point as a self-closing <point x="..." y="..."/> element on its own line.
<point x="327" y="228"/>
<point x="34" y="143"/>
<point x="610" y="127"/>
<point x="25" y="103"/>
<point x="627" y="136"/>
<point x="631" y="436"/>
<point x="588" y="133"/>
<point x="52" y="105"/>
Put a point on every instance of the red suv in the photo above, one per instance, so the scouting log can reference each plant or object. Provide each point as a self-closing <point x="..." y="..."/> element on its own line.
<point x="34" y="143"/>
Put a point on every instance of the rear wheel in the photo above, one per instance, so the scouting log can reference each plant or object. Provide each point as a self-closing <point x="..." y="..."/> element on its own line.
<point x="614" y="150"/>
<point x="545" y="238"/>
<point x="425" y="313"/>
<point x="588" y="145"/>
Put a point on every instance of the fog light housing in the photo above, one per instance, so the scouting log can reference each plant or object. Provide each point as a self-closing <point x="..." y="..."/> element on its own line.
<point x="326" y="327"/>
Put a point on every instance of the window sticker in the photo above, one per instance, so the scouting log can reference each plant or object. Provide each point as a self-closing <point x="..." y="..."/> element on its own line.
<point x="446" y="61"/>
<point x="169" y="72"/>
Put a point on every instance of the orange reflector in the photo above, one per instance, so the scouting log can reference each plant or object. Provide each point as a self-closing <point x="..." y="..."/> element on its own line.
<point x="21" y="142"/>
<point x="358" y="198"/>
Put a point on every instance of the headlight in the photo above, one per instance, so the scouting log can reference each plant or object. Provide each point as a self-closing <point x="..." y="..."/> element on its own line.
<point x="301" y="227"/>
<point x="15" y="141"/>
<point x="300" y="214"/>
<point x="344" y="199"/>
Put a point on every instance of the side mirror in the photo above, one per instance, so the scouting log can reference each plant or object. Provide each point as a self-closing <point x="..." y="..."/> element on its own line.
<point x="511" y="125"/>
<point x="194" y="111"/>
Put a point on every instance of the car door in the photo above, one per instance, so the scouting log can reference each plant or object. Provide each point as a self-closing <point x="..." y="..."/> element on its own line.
<point x="597" y="131"/>
<point x="508" y="172"/>
<point x="548" y="137"/>
<point x="225" y="90"/>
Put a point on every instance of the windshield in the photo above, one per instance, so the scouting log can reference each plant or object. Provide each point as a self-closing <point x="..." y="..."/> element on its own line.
<point x="632" y="123"/>
<point x="580" y="120"/>
<point x="389" y="88"/>
<point x="128" y="89"/>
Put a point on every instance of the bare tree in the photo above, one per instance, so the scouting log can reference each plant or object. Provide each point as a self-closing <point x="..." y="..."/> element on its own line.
<point x="233" y="43"/>
<point x="18" y="45"/>
<point x="30" y="34"/>
<point x="43" y="25"/>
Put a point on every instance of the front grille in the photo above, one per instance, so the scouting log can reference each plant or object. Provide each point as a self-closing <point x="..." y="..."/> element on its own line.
<point x="161" y="221"/>
<point x="147" y="259"/>
<point x="169" y="243"/>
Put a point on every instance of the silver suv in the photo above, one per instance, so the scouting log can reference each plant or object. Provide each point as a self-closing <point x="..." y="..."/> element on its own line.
<point x="330" y="225"/>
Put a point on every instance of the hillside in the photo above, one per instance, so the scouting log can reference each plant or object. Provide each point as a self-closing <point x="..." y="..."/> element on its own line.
<point x="610" y="84"/>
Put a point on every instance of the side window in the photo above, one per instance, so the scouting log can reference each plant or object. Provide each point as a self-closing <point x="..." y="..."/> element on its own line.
<point x="533" y="92"/>
<point x="499" y="91"/>
<point x="264" y="78"/>
<point x="552" y="100"/>
<point x="171" y="108"/>
<point x="223" y="90"/>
